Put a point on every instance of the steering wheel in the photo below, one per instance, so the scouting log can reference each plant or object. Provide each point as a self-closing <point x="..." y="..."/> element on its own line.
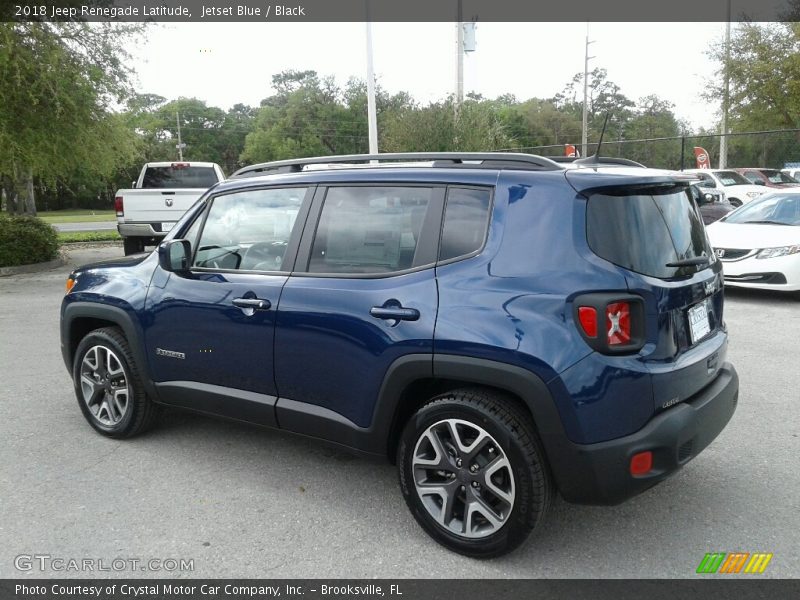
<point x="264" y="256"/>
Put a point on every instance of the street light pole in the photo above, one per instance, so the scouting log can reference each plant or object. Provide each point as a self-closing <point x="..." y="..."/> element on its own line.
<point x="180" y="143"/>
<point x="372" y="117"/>
<point x="585" y="117"/>
<point x="726" y="98"/>
<point x="459" y="58"/>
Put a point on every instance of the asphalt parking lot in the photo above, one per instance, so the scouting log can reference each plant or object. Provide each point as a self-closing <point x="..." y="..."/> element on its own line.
<point x="245" y="502"/>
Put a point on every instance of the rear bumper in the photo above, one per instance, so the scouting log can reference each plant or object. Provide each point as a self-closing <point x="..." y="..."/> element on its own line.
<point x="599" y="473"/>
<point x="144" y="230"/>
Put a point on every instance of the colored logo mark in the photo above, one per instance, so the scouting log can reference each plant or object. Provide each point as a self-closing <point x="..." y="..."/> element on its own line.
<point x="734" y="562"/>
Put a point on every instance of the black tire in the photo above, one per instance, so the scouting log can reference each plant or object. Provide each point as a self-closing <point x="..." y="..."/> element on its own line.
<point x="132" y="245"/>
<point x="513" y="430"/>
<point x="140" y="412"/>
<point x="735" y="202"/>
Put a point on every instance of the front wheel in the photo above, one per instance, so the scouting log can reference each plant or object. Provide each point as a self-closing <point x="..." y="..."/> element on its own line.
<point x="473" y="472"/>
<point x="735" y="202"/>
<point x="108" y="385"/>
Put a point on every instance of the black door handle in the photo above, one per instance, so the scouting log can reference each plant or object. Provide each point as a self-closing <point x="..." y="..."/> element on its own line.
<point x="254" y="303"/>
<point x="395" y="313"/>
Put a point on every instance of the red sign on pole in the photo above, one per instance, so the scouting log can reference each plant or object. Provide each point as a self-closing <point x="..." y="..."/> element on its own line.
<point x="571" y="151"/>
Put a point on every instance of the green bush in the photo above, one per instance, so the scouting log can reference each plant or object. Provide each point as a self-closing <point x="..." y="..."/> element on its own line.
<point x="26" y="240"/>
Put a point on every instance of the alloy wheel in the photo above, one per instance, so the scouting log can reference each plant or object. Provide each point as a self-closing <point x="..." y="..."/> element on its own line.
<point x="104" y="385"/>
<point x="463" y="478"/>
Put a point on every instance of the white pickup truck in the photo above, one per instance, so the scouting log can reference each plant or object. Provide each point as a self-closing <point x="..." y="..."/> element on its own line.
<point x="163" y="192"/>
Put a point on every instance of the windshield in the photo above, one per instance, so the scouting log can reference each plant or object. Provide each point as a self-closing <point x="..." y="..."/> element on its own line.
<point x="644" y="229"/>
<point x="731" y="178"/>
<point x="775" y="176"/>
<point x="179" y="177"/>
<point x="772" y="209"/>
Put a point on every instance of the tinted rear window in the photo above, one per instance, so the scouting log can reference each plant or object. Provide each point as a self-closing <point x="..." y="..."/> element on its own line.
<point x="644" y="229"/>
<point x="466" y="219"/>
<point x="179" y="177"/>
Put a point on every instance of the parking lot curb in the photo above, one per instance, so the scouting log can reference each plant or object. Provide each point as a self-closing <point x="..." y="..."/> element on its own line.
<point x="34" y="268"/>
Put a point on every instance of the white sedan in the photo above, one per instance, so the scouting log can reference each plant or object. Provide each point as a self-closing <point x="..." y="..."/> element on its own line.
<point x="759" y="243"/>
<point x="738" y="189"/>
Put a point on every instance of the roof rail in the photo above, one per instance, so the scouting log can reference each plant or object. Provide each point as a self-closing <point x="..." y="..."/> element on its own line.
<point x="602" y="160"/>
<point x="485" y="160"/>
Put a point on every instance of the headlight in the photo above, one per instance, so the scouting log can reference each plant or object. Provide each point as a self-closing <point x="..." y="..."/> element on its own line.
<point x="776" y="252"/>
<point x="754" y="194"/>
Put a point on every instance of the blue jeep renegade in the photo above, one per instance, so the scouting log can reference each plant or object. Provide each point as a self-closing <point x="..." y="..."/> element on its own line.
<point x="502" y="326"/>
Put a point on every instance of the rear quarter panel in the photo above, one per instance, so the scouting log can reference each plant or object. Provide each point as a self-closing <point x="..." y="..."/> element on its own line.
<point x="511" y="303"/>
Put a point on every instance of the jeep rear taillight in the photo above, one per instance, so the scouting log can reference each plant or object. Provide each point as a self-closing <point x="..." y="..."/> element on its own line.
<point x="611" y="323"/>
<point x="119" y="206"/>
<point x="587" y="317"/>
<point x="618" y="323"/>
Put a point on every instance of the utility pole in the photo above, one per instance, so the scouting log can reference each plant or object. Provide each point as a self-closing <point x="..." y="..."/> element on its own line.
<point x="459" y="59"/>
<point x="726" y="97"/>
<point x="585" y="119"/>
<point x="180" y="145"/>
<point x="372" y="118"/>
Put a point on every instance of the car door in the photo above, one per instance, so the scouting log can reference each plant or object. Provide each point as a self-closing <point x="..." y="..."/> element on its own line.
<point x="210" y="332"/>
<point x="362" y="296"/>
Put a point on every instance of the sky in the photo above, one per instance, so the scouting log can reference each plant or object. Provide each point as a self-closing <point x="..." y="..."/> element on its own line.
<point x="229" y="63"/>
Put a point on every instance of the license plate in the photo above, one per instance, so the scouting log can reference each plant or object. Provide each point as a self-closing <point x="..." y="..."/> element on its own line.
<point x="698" y="322"/>
<point x="166" y="227"/>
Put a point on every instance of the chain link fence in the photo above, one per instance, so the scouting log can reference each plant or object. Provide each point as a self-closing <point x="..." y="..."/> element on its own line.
<point x="777" y="149"/>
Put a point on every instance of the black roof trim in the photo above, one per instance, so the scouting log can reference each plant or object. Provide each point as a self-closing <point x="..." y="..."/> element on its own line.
<point x="477" y="160"/>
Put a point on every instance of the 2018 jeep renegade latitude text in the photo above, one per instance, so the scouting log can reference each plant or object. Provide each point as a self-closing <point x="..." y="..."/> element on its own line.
<point x="502" y="326"/>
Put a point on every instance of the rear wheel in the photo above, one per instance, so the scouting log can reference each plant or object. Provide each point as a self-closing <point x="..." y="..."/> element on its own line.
<point x="108" y="385"/>
<point x="132" y="245"/>
<point x="735" y="202"/>
<point x="473" y="472"/>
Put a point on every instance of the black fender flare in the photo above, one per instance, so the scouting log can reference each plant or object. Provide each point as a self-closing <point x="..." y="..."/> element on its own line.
<point x="112" y="314"/>
<point x="504" y="376"/>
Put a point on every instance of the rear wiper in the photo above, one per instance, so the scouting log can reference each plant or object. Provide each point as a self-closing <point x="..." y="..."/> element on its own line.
<point x="697" y="261"/>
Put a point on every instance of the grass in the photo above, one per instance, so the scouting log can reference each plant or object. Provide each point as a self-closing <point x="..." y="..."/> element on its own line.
<point x="75" y="237"/>
<point x="83" y="215"/>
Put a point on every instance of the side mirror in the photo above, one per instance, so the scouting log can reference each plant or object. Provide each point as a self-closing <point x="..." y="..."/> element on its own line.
<point x="175" y="256"/>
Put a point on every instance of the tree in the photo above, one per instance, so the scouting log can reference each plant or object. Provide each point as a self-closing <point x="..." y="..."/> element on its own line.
<point x="763" y="65"/>
<point x="764" y="71"/>
<point x="605" y="98"/>
<point x="310" y="116"/>
<point x="653" y="118"/>
<point x="435" y="128"/>
<point x="299" y="120"/>
<point x="57" y="84"/>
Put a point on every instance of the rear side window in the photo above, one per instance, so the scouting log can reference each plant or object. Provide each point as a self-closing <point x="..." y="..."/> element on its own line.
<point x="643" y="230"/>
<point x="752" y="177"/>
<point x="179" y="177"/>
<point x="466" y="220"/>
<point x="369" y="229"/>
